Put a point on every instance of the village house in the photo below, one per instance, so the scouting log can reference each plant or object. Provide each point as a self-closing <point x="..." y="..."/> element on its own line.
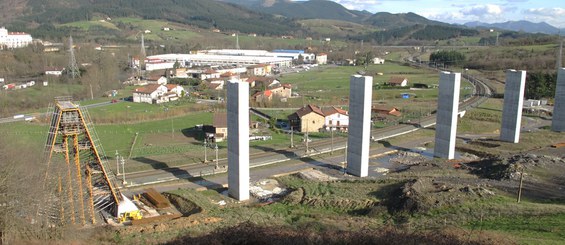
<point x="157" y="79"/>
<point x="220" y="126"/>
<point x="322" y="58"/>
<point x="150" y="94"/>
<point x="157" y="93"/>
<point x="209" y="74"/>
<point x="398" y="81"/>
<point x="282" y="90"/>
<point x="263" y="82"/>
<point x="335" y="119"/>
<point x="262" y="96"/>
<point x="176" y="89"/>
<point x="214" y="84"/>
<point x="259" y="70"/>
<point x="309" y="118"/>
<point x="378" y="61"/>
<point x="54" y="71"/>
<point x="382" y="111"/>
<point x="229" y="76"/>
<point x="218" y="131"/>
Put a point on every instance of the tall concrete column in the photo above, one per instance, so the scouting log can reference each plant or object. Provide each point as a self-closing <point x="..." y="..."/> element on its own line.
<point x="558" y="122"/>
<point x="446" y="118"/>
<point x="358" y="139"/>
<point x="238" y="139"/>
<point x="513" y="102"/>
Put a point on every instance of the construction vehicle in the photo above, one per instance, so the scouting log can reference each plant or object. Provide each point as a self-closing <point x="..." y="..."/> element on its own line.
<point x="127" y="210"/>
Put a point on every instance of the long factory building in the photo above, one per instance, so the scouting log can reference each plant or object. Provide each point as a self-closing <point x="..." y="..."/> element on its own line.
<point x="222" y="58"/>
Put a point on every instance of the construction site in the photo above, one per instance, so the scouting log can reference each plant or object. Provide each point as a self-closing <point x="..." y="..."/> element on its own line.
<point x="82" y="188"/>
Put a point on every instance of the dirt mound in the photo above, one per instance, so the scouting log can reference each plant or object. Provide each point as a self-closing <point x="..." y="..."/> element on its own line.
<point x="408" y="158"/>
<point x="501" y="168"/>
<point x="423" y="194"/>
<point x="249" y="233"/>
<point x="183" y="205"/>
<point x="298" y="197"/>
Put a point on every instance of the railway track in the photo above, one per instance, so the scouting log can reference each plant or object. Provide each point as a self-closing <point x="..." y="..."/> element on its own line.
<point x="481" y="93"/>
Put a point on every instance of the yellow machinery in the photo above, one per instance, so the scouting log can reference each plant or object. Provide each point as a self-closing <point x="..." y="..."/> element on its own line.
<point x="133" y="215"/>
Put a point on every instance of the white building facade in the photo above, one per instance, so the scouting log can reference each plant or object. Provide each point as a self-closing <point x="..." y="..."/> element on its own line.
<point x="14" y="39"/>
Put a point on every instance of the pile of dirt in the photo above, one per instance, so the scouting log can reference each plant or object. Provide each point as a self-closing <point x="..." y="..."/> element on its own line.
<point x="408" y="158"/>
<point x="183" y="205"/>
<point x="267" y="190"/>
<point x="249" y="233"/>
<point x="424" y="194"/>
<point x="510" y="167"/>
<point x="298" y="197"/>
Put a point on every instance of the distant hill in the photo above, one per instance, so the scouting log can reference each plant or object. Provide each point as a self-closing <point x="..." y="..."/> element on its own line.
<point x="519" y="26"/>
<point x="419" y="34"/>
<point x="200" y="13"/>
<point x="387" y="21"/>
<point x="313" y="9"/>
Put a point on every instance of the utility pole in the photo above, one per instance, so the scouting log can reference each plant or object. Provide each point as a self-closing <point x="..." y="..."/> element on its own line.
<point x="124" y="171"/>
<point x="117" y="163"/>
<point x="291" y="137"/>
<point x="216" y="148"/>
<point x="521" y="183"/>
<point x="332" y="146"/>
<point x="91" y="94"/>
<point x="345" y="159"/>
<point x="205" y="154"/>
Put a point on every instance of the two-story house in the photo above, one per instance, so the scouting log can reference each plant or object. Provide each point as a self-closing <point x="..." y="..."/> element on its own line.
<point x="149" y="94"/>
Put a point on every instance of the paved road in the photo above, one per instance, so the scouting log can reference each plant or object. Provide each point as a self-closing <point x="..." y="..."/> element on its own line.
<point x="334" y="161"/>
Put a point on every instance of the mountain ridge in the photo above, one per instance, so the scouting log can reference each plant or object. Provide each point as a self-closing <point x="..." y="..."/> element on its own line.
<point x="519" y="26"/>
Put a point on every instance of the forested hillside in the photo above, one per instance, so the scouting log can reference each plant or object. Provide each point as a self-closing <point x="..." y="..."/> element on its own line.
<point x="200" y="13"/>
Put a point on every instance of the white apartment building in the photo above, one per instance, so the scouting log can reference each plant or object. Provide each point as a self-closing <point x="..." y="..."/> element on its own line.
<point x="14" y="39"/>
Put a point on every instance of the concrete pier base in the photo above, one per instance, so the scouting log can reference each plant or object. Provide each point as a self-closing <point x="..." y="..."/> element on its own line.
<point x="358" y="139"/>
<point x="238" y="139"/>
<point x="558" y="121"/>
<point x="513" y="102"/>
<point x="446" y="118"/>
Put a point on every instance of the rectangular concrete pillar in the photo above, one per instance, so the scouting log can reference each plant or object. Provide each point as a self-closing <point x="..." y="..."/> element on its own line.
<point x="513" y="102"/>
<point x="238" y="139"/>
<point x="446" y="118"/>
<point x="358" y="139"/>
<point x="558" y="122"/>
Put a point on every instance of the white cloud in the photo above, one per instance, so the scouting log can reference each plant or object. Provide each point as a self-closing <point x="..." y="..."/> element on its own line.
<point x="549" y="12"/>
<point x="553" y="16"/>
<point x="483" y="10"/>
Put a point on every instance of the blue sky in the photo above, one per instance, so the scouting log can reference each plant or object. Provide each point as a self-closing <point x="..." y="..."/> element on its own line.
<point x="461" y="11"/>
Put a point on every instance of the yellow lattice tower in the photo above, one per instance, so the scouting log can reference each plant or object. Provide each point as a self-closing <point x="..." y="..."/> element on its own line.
<point x="72" y="140"/>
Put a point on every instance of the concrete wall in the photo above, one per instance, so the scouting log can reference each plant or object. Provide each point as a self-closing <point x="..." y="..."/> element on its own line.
<point x="558" y="123"/>
<point x="446" y="118"/>
<point x="513" y="102"/>
<point x="238" y="139"/>
<point x="358" y="140"/>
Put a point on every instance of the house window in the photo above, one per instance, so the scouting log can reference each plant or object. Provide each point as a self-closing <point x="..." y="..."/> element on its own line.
<point x="313" y="122"/>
